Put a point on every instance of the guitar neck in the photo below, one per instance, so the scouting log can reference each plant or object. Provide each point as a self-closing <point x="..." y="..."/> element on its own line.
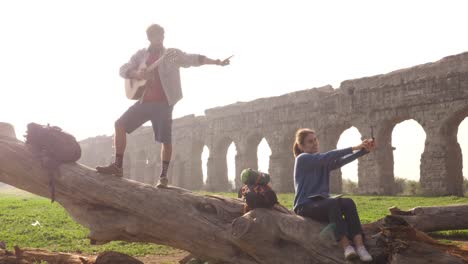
<point x="155" y="64"/>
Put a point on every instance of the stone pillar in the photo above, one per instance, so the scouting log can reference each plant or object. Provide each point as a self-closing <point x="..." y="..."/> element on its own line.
<point x="281" y="169"/>
<point x="375" y="170"/>
<point x="194" y="172"/>
<point x="217" y="172"/>
<point x="281" y="165"/>
<point x="246" y="158"/>
<point x="441" y="161"/>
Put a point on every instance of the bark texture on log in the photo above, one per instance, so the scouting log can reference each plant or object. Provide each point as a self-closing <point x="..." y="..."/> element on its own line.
<point x="435" y="218"/>
<point x="32" y="256"/>
<point x="210" y="227"/>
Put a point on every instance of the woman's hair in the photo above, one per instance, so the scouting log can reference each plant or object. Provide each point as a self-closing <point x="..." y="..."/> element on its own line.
<point x="301" y="134"/>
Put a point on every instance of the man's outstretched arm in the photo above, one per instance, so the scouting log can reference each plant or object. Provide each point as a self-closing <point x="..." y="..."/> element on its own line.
<point x="207" y="60"/>
<point x="190" y="60"/>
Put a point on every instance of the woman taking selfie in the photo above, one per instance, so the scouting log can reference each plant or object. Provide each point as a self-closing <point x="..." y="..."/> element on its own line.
<point x="311" y="184"/>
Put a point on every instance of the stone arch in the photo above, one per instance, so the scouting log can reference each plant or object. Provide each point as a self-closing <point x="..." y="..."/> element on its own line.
<point x="349" y="173"/>
<point x="217" y="165"/>
<point x="246" y="154"/>
<point x="463" y="142"/>
<point x="264" y="169"/>
<point x="231" y="161"/>
<point x="205" y="165"/>
<point x="222" y="145"/>
<point x="195" y="175"/>
<point x="450" y="125"/>
<point x="426" y="93"/>
<point x="328" y="137"/>
<point x="376" y="171"/>
<point x="453" y="158"/>
<point x="408" y="147"/>
<point x="251" y="148"/>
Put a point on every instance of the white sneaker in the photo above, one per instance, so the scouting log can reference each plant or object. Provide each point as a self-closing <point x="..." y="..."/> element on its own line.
<point x="363" y="254"/>
<point x="350" y="253"/>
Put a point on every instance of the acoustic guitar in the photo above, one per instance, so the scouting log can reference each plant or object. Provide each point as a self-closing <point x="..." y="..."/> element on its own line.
<point x="135" y="88"/>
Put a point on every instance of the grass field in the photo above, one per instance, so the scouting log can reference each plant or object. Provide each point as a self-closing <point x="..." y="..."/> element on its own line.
<point x="30" y="221"/>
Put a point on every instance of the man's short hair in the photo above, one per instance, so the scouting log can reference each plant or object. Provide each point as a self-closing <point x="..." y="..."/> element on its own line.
<point x="154" y="29"/>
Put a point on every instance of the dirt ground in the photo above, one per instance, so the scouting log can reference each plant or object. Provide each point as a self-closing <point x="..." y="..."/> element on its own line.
<point x="167" y="259"/>
<point x="31" y="255"/>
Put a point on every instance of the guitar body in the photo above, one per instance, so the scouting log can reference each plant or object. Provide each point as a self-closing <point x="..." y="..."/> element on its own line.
<point x="134" y="88"/>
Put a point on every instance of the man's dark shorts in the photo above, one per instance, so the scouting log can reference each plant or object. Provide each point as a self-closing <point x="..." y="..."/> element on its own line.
<point x="159" y="113"/>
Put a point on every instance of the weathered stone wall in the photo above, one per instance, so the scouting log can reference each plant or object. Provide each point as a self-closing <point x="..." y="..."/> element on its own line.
<point x="433" y="94"/>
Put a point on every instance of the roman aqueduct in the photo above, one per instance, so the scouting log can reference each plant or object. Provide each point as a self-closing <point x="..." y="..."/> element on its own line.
<point x="433" y="94"/>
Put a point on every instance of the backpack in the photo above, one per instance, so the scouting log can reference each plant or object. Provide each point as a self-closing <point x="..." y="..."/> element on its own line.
<point x="250" y="177"/>
<point x="54" y="147"/>
<point x="258" y="196"/>
<point x="256" y="191"/>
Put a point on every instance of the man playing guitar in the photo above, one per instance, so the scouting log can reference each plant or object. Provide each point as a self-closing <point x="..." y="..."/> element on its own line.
<point x="162" y="90"/>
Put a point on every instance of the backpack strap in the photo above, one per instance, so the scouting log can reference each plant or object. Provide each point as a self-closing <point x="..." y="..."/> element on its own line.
<point x="52" y="184"/>
<point x="259" y="176"/>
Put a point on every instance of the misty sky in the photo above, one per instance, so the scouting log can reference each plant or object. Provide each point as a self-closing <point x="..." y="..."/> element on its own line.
<point x="59" y="59"/>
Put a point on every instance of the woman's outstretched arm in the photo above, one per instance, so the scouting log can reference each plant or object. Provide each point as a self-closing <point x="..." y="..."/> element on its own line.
<point x="328" y="158"/>
<point x="340" y="162"/>
<point x="322" y="159"/>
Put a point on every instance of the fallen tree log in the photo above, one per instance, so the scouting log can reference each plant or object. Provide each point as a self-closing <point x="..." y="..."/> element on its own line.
<point x="435" y="218"/>
<point x="32" y="256"/>
<point x="212" y="228"/>
<point x="35" y="256"/>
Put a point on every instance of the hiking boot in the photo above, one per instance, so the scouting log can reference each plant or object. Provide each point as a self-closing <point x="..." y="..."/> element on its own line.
<point x="162" y="183"/>
<point x="112" y="169"/>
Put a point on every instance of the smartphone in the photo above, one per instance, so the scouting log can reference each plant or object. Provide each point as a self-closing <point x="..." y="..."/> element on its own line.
<point x="228" y="58"/>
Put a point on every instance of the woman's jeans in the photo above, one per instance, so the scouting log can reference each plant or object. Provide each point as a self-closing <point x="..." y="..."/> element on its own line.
<point x="340" y="211"/>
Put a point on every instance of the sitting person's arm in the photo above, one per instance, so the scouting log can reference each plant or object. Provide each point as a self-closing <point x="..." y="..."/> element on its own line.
<point x="331" y="157"/>
<point x="309" y="161"/>
<point x="340" y="162"/>
<point x="367" y="146"/>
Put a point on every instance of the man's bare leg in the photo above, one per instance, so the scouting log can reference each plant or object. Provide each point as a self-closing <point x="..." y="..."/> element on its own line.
<point x="166" y="153"/>
<point x="120" y="140"/>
